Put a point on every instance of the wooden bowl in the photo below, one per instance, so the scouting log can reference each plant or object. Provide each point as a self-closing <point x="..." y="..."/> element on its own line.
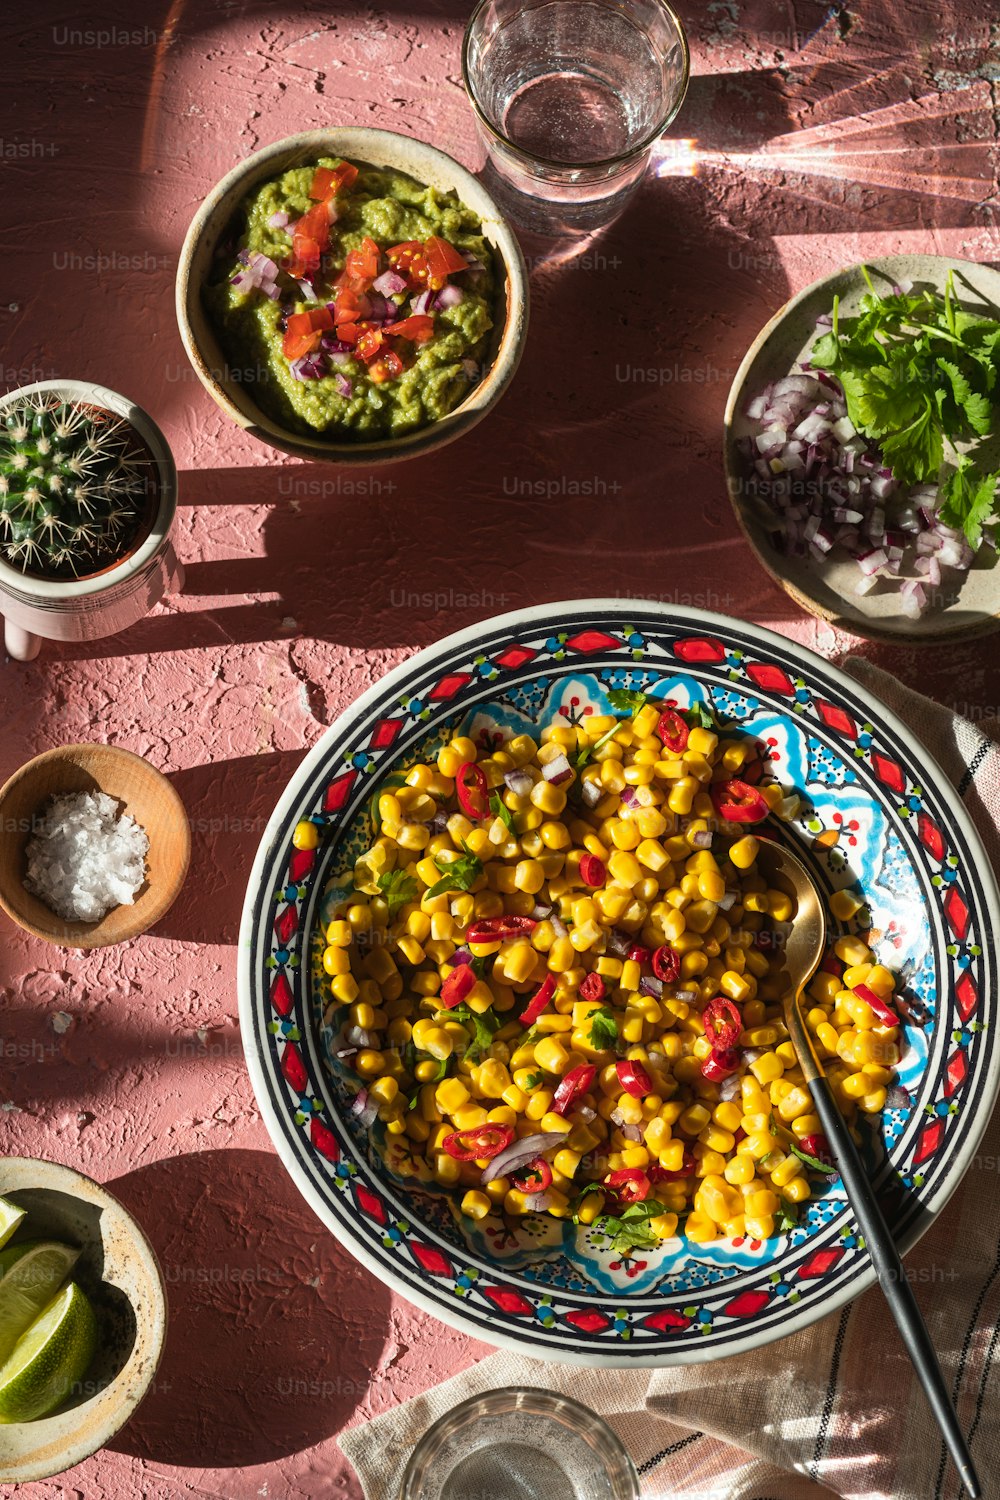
<point x="119" y="1273"/>
<point x="142" y="791"/>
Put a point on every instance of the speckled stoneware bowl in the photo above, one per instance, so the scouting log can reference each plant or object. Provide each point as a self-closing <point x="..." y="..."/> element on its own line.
<point x="827" y="588"/>
<point x="379" y="148"/>
<point x="120" y="1275"/>
<point x="878" y="817"/>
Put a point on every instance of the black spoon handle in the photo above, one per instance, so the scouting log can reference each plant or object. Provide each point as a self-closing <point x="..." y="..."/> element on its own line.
<point x="892" y="1279"/>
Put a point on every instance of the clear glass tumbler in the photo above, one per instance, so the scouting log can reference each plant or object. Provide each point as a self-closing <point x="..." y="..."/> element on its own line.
<point x="569" y="97"/>
<point x="520" y="1443"/>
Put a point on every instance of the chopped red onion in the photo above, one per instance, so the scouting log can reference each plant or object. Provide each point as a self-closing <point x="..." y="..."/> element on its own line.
<point x="470" y="369"/>
<point x="520" y="1152"/>
<point x="449" y="296"/>
<point x="344" y="386"/>
<point x="307" y="290"/>
<point x="390" y="283"/>
<point x="518" y="782"/>
<point x="558" y="926"/>
<point x="650" y="985"/>
<point x="421" y="303"/>
<point x="278" y="220"/>
<point x="591" y="793"/>
<point x="540" y="912"/>
<point x="687" y="995"/>
<point x="538" y="1203"/>
<point x="731" y="1087"/>
<point x="557" y="770"/>
<point x="585" y="1113"/>
<point x="628" y="797"/>
<point x="726" y="901"/>
<point x="357" y="1036"/>
<point x="366" y="1109"/>
<point x="701" y="838"/>
<point x="631" y="1133"/>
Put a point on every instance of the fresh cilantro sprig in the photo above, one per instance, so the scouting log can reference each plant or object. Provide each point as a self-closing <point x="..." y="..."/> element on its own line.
<point x="603" y="1029"/>
<point x="812" y="1161"/>
<point x="920" y="374"/>
<point x="626" y="700"/>
<point x="460" y="874"/>
<point x="501" y="811"/>
<point x="485" y="1025"/>
<point x="630" y="1229"/>
<point x="398" y="888"/>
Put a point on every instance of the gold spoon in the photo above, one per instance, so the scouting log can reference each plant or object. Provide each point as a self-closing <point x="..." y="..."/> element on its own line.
<point x="804" y="946"/>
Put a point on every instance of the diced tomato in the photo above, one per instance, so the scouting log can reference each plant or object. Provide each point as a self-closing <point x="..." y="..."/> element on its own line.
<point x="322" y="186"/>
<point x="410" y="260"/>
<point x="349" y="333"/>
<point x="817" y="1145"/>
<point x="369" y="344"/>
<point x="310" y="238"/>
<point x="362" y="264"/>
<point x="443" y="260"/>
<point x="593" y="988"/>
<point x="348" y="308"/>
<point x="419" y="327"/>
<point x="633" y="1078"/>
<point x="295" y="345"/>
<point x="576" y="1082"/>
<point x="480" y="1144"/>
<point x="297" y="323"/>
<point x="631" y="1185"/>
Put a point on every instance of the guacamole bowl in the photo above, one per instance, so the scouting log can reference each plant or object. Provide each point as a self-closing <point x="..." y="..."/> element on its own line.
<point x="236" y="382"/>
<point x="875" y="820"/>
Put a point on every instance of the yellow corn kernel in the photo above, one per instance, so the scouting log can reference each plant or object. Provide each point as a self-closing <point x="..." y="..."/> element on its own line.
<point x="737" y="987"/>
<point x="852" y="951"/>
<point x="759" y="1227"/>
<point x="694" y="1119"/>
<point x="344" y="987"/>
<point x="844" y="905"/>
<point x="797" y="1190"/>
<point x="744" y="852"/>
<point x="767" y="1068"/>
<point x="539" y="1104"/>
<point x="739" y="1170"/>
<point x="451" y="1094"/>
<point x="370" y="1063"/>
<point x="476" y="1205"/>
<point x="336" y="961"/>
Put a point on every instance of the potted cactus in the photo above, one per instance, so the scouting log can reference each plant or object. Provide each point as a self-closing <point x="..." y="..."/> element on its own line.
<point x="88" y="491"/>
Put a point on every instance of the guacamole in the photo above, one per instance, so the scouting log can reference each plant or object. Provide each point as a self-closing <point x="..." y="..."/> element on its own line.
<point x="360" y="300"/>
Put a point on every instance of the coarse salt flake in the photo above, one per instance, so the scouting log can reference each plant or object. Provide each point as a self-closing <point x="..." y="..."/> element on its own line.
<point x="85" y="857"/>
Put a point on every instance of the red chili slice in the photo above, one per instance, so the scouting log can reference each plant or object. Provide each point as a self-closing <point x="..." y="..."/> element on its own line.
<point x="495" y="929"/>
<point x="480" y="1144"/>
<point x="673" y="731"/>
<point x="738" y="802"/>
<point x="576" y="1082"/>
<point x="631" y="1185"/>
<point x="884" y="1012"/>
<point x="534" y="1178"/>
<point x="538" y="1001"/>
<point x="593" y="988"/>
<point x="723" y="1023"/>
<point x="663" y="1174"/>
<point x="474" y="801"/>
<point x="667" y="964"/>
<point x="443" y="260"/>
<point x="723" y="1063"/>
<point x="633" y="1078"/>
<point x="638" y="954"/>
<point x="592" y="871"/>
<point x="458" y="984"/>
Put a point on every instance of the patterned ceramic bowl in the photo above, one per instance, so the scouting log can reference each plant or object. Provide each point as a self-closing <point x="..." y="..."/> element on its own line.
<point x="877" y="817"/>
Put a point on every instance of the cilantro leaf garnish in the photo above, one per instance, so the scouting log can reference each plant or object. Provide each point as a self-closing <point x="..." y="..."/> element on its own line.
<point x="396" y="779"/>
<point x="786" y="1219"/>
<point x="501" y="811"/>
<point x="533" y="1080"/>
<point x="919" y="373"/>
<point x="626" y="700"/>
<point x="700" y="715"/>
<point x="968" y="500"/>
<point x="630" y="1230"/>
<point x="812" y="1161"/>
<point x="603" y="1029"/>
<point x="486" y="1025"/>
<point x="398" y="888"/>
<point x="460" y="874"/>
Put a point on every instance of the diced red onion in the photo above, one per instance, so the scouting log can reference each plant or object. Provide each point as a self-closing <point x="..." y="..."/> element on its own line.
<point x="557" y="770"/>
<point x="701" y="838"/>
<point x="307" y="291"/>
<point x="538" y="1203"/>
<point x="540" y="912"/>
<point x="619" y="942"/>
<point x="420" y="304"/>
<point x="559" y="926"/>
<point x="357" y="1036"/>
<point x="628" y="797"/>
<point x="471" y="369"/>
<point x="726" y="901"/>
<point x="731" y="1087"/>
<point x="687" y="995"/>
<point x="586" y="1113"/>
<point x="344" y="386"/>
<point x="591" y="793"/>
<point x="518" y="782"/>
<point x="449" y="296"/>
<point x="631" y="1133"/>
<point x="650" y="985"/>
<point x="520" y="1152"/>
<point x="390" y="283"/>
<point x="616" y="1117"/>
<point x="366" y="1109"/>
<point x="279" y="219"/>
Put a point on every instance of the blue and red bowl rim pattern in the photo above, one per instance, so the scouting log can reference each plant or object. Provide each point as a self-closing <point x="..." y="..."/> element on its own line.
<point x="475" y="666"/>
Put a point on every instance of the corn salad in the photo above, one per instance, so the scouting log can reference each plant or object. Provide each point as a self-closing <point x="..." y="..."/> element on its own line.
<point x="557" y="958"/>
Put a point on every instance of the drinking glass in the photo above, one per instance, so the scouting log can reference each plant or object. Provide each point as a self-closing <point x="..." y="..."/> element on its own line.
<point x="520" y="1443"/>
<point x="569" y="97"/>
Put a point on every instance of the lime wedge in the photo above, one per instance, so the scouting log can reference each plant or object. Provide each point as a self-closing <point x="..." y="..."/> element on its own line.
<point x="49" y="1359"/>
<point x="10" y="1217"/>
<point x="28" y="1288"/>
<point x="13" y="1253"/>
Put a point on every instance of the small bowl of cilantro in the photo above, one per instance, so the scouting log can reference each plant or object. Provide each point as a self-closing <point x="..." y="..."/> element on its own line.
<point x="863" y="448"/>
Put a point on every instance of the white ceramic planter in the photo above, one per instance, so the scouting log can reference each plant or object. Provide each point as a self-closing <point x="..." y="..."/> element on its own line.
<point x="85" y="609"/>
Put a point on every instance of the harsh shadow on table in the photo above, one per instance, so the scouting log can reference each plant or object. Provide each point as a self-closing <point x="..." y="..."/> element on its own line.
<point x="274" y="1331"/>
<point x="228" y="803"/>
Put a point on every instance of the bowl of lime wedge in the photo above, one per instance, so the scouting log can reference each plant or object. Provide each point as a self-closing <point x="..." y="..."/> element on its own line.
<point x="83" y="1318"/>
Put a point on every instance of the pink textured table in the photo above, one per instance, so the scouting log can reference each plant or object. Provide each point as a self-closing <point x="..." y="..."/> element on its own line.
<point x="811" y="137"/>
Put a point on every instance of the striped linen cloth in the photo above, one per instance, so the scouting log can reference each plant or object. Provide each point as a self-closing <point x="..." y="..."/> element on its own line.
<point x="836" y="1409"/>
